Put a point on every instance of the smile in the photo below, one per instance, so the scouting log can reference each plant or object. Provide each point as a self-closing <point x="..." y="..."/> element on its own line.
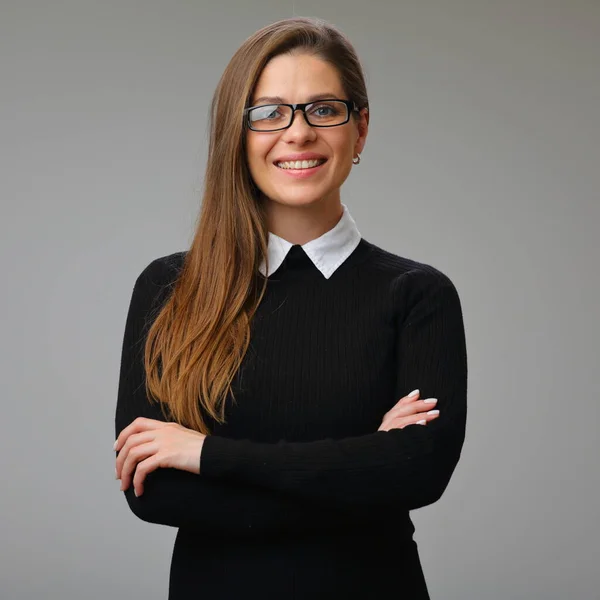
<point x="301" y="164"/>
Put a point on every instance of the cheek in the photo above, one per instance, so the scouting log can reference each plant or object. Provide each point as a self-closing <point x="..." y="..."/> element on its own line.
<point x="256" y="152"/>
<point x="251" y="151"/>
<point x="343" y="146"/>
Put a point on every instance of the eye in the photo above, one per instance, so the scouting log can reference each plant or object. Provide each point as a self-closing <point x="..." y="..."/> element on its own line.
<point x="332" y="109"/>
<point x="323" y="110"/>
<point x="269" y="112"/>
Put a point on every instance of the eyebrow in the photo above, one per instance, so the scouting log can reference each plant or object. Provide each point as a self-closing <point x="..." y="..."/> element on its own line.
<point x="280" y="100"/>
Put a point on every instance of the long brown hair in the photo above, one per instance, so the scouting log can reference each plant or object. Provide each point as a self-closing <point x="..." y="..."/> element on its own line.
<point x="201" y="334"/>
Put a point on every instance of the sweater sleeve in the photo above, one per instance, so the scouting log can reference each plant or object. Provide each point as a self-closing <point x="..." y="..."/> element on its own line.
<point x="181" y="499"/>
<point x="408" y="468"/>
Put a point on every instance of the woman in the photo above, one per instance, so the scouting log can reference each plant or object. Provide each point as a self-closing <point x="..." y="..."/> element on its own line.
<point x="263" y="405"/>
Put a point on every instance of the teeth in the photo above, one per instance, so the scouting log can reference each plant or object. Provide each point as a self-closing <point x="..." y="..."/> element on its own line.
<point x="300" y="164"/>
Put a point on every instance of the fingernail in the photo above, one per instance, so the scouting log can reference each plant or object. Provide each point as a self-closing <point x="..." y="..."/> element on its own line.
<point x="433" y="412"/>
<point x="413" y="393"/>
<point x="431" y="400"/>
<point x="135" y="492"/>
<point x="115" y="445"/>
<point x="116" y="474"/>
<point x="423" y="422"/>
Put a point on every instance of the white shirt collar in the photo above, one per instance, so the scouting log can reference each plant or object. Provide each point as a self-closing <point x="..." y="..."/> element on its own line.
<point x="327" y="252"/>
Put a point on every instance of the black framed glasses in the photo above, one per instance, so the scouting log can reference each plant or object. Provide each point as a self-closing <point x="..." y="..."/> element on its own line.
<point x="329" y="112"/>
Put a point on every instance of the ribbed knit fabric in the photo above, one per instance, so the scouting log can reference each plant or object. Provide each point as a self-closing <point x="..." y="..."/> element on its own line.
<point x="299" y="496"/>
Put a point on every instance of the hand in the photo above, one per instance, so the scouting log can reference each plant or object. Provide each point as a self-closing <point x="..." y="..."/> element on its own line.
<point x="409" y="411"/>
<point x="147" y="444"/>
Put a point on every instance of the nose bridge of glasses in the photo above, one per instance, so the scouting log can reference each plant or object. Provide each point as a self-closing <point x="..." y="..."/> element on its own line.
<point x="302" y="108"/>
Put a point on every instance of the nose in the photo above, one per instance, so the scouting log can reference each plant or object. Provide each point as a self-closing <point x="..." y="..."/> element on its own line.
<point x="299" y="131"/>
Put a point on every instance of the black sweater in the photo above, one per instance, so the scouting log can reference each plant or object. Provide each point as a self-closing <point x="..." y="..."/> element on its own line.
<point x="299" y="496"/>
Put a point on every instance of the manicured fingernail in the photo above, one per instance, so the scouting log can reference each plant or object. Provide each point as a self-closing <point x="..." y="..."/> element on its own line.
<point x="116" y="474"/>
<point x="431" y="400"/>
<point x="115" y="445"/>
<point x="413" y="393"/>
<point x="423" y="422"/>
<point x="135" y="492"/>
<point x="433" y="412"/>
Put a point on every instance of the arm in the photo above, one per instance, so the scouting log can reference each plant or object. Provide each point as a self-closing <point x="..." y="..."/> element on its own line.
<point x="408" y="467"/>
<point x="182" y="499"/>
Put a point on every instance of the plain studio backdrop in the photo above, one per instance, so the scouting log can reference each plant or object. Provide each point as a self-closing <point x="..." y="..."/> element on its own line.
<point x="482" y="160"/>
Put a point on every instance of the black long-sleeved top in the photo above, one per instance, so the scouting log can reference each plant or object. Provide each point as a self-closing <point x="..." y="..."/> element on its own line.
<point x="299" y="496"/>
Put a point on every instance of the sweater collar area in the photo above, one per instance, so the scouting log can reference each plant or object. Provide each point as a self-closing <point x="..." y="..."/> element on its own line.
<point x="327" y="252"/>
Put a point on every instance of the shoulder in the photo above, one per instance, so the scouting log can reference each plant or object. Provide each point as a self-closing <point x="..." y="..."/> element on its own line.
<point x="155" y="281"/>
<point x="403" y="271"/>
<point x="162" y="270"/>
<point x="414" y="287"/>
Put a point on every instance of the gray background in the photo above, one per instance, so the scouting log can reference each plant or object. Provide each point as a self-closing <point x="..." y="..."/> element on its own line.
<point x="482" y="159"/>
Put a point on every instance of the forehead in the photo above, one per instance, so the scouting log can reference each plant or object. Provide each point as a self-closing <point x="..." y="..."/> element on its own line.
<point x="295" y="77"/>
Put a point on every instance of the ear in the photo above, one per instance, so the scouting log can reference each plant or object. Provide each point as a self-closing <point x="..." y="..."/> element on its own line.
<point x="363" y="129"/>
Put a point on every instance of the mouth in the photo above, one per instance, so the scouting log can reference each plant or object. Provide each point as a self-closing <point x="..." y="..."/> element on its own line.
<point x="300" y="165"/>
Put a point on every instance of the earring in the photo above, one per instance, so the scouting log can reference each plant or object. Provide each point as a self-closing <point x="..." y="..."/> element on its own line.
<point x="356" y="159"/>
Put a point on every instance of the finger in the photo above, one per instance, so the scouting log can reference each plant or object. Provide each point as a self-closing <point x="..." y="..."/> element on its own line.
<point x="423" y="419"/>
<point x="409" y="397"/>
<point x="404" y="401"/>
<point x="134" y="457"/>
<point x="418" y="406"/>
<point x="137" y="425"/>
<point x="143" y="468"/>
<point x="135" y="439"/>
<point x="402" y="422"/>
<point x="127" y="457"/>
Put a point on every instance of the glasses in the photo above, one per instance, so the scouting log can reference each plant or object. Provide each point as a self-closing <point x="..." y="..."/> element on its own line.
<point x="322" y="113"/>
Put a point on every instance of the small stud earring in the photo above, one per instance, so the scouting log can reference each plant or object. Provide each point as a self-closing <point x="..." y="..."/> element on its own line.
<point x="356" y="159"/>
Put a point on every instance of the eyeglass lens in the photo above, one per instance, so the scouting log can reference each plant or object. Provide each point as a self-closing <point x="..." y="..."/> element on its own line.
<point x="277" y="116"/>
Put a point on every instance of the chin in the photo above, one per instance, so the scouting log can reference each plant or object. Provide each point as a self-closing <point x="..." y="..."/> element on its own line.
<point x="299" y="200"/>
<point x="296" y="197"/>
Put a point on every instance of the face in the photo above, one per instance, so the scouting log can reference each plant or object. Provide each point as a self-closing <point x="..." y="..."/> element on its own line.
<point x="297" y="78"/>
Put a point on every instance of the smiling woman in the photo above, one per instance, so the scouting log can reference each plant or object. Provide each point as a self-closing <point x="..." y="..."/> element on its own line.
<point x="263" y="405"/>
<point x="277" y="140"/>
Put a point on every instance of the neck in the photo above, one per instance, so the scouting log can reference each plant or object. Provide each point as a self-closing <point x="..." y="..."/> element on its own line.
<point x="301" y="224"/>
